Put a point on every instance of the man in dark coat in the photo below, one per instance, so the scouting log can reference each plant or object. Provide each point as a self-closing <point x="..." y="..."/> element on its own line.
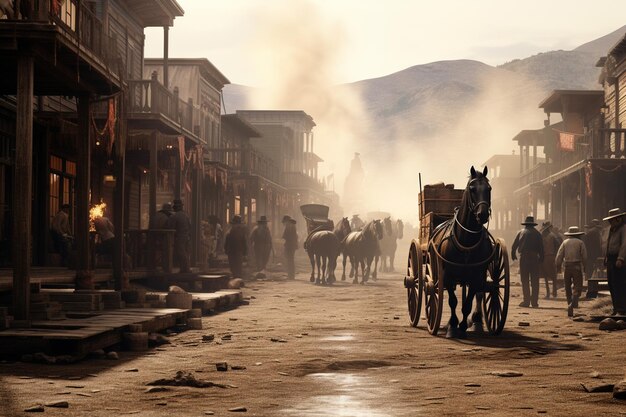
<point x="236" y="246"/>
<point x="159" y="222"/>
<point x="290" y="235"/>
<point x="179" y="221"/>
<point x="530" y="245"/>
<point x="161" y="217"/>
<point x="615" y="259"/>
<point x="593" y="243"/>
<point x="261" y="240"/>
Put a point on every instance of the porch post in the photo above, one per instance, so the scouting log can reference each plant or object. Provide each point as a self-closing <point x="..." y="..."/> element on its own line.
<point x="166" y="47"/>
<point x="152" y="199"/>
<point x="83" y="176"/>
<point x="119" y="275"/>
<point x="22" y="180"/>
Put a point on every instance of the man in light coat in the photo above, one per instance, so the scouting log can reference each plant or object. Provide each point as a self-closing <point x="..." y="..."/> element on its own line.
<point x="573" y="254"/>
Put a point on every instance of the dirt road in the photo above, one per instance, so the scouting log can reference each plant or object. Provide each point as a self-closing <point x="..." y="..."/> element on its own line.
<point x="345" y="350"/>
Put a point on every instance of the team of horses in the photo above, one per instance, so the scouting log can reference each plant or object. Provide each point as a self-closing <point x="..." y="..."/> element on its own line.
<point x="376" y="240"/>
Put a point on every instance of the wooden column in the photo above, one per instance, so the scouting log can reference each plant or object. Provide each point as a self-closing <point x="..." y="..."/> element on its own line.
<point x="119" y="251"/>
<point x="83" y="175"/>
<point x="22" y="186"/>
<point x="166" y="47"/>
<point x="152" y="199"/>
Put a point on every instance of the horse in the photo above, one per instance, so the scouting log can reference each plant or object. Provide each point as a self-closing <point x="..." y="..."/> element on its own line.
<point x="361" y="247"/>
<point x="323" y="248"/>
<point x="465" y="250"/>
<point x="388" y="245"/>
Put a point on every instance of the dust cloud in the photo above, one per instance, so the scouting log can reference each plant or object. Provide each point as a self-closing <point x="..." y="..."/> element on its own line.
<point x="301" y="68"/>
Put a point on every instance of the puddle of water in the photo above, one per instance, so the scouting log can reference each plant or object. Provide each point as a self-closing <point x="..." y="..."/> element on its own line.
<point x="339" y="338"/>
<point x="353" y="396"/>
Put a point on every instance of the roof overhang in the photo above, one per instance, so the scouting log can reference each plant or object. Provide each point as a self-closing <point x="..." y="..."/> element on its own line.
<point x="152" y="13"/>
<point x="577" y="101"/>
<point x="241" y="124"/>
<point x="208" y="70"/>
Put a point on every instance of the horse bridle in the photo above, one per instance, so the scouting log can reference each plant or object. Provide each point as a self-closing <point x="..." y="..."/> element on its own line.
<point x="473" y="206"/>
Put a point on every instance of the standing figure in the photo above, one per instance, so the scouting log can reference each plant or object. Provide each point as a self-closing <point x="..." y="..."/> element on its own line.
<point x="573" y="254"/>
<point x="236" y="246"/>
<point x="261" y="240"/>
<point x="530" y="245"/>
<point x="356" y="223"/>
<point x="615" y="258"/>
<point x="179" y="221"/>
<point x="106" y="231"/>
<point x="593" y="243"/>
<point x="160" y="222"/>
<point x="551" y="243"/>
<point x="290" y="235"/>
<point x="161" y="217"/>
<point x="62" y="233"/>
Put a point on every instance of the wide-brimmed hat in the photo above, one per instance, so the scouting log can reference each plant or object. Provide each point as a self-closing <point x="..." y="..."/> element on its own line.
<point x="286" y="218"/>
<point x="292" y="221"/>
<point x="546" y="226"/>
<point x="530" y="221"/>
<point x="573" y="231"/>
<point x="262" y="219"/>
<point x="236" y="219"/>
<point x="614" y="213"/>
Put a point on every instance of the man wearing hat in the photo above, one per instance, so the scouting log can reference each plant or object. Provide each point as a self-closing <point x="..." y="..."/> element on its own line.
<point x="530" y="246"/>
<point x="290" y="235"/>
<point x="236" y="246"/>
<point x="61" y="232"/>
<point x="179" y="221"/>
<point x="356" y="223"/>
<point x="551" y="243"/>
<point x="573" y="254"/>
<point x="261" y="240"/>
<point x="593" y="243"/>
<point x="615" y="257"/>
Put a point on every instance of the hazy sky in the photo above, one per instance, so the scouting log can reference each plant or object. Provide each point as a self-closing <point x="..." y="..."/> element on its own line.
<point x="380" y="38"/>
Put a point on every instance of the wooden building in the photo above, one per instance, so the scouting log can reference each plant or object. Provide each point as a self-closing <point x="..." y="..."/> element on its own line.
<point x="198" y="85"/>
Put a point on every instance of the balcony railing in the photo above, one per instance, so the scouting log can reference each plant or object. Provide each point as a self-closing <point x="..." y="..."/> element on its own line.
<point x="534" y="174"/>
<point x="611" y="144"/>
<point x="300" y="180"/>
<point x="151" y="97"/>
<point x="76" y="21"/>
<point x="243" y="161"/>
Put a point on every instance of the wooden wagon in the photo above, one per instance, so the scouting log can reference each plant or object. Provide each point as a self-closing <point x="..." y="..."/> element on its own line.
<point x="316" y="217"/>
<point x="437" y="205"/>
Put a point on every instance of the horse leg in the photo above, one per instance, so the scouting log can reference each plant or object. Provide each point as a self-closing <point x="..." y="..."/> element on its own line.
<point x="391" y="259"/>
<point x="324" y="270"/>
<point x="466" y="309"/>
<point x="454" y="320"/>
<point x="365" y="269"/>
<point x="312" y="259"/>
<point x="354" y="269"/>
<point x="343" y="274"/>
<point x="374" y="275"/>
<point x="477" y="318"/>
<point x="317" y="261"/>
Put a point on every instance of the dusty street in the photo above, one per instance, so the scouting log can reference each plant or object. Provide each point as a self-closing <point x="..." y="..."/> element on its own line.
<point x="345" y="350"/>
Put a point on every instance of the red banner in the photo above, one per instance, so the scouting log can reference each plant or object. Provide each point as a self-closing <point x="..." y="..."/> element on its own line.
<point x="567" y="141"/>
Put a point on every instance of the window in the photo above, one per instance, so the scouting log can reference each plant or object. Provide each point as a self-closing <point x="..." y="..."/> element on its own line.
<point x="61" y="177"/>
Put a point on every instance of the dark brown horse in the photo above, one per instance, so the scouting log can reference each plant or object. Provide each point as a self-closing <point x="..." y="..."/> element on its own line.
<point x="388" y="245"/>
<point x="361" y="247"/>
<point x="465" y="250"/>
<point x="323" y="247"/>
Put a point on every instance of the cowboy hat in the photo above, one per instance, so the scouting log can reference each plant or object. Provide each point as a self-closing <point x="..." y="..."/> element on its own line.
<point x="573" y="231"/>
<point x="286" y="218"/>
<point x="262" y="219"/>
<point x="530" y="221"/>
<point x="236" y="219"/>
<point x="545" y="226"/>
<point x="614" y="213"/>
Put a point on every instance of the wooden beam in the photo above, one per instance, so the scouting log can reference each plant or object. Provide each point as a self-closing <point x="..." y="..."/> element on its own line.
<point x="166" y="48"/>
<point x="22" y="180"/>
<point x="152" y="199"/>
<point x="83" y="175"/>
<point x="119" y="205"/>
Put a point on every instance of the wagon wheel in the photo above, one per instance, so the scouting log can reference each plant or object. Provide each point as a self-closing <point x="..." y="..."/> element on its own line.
<point x="414" y="283"/>
<point x="433" y="291"/>
<point x="496" y="300"/>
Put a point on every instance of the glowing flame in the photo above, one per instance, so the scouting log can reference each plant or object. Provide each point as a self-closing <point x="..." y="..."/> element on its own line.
<point x="95" y="212"/>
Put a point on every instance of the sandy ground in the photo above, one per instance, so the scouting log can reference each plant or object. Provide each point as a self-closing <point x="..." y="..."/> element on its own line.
<point x="341" y="350"/>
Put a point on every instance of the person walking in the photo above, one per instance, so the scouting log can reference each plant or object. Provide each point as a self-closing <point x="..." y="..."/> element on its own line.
<point x="615" y="258"/>
<point x="261" y="240"/>
<point x="61" y="232"/>
<point x="593" y="243"/>
<point x="356" y="223"/>
<point x="290" y="235"/>
<point x="179" y="221"/>
<point x="530" y="245"/>
<point x="236" y="246"/>
<point x="551" y="245"/>
<point x="573" y="254"/>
